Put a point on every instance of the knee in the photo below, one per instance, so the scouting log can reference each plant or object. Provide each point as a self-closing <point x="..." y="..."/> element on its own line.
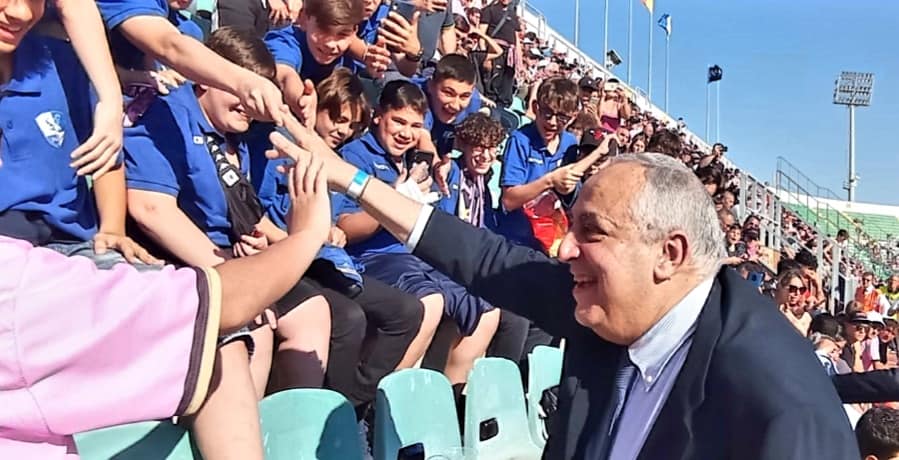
<point x="347" y="320"/>
<point x="406" y="316"/>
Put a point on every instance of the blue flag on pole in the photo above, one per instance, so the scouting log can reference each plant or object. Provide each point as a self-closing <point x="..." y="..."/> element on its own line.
<point x="665" y="23"/>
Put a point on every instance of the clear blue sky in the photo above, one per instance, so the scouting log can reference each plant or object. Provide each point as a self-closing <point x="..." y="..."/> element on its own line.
<point x="780" y="61"/>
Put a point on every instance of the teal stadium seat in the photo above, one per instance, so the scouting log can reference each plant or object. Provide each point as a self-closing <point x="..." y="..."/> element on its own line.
<point x="495" y="401"/>
<point x="415" y="407"/>
<point x="309" y="424"/>
<point x="544" y="372"/>
<point x="136" y="441"/>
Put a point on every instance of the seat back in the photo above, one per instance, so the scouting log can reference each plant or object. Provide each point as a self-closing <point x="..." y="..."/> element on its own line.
<point x="495" y="410"/>
<point x="415" y="406"/>
<point x="309" y="424"/>
<point x="544" y="372"/>
<point x="136" y="441"/>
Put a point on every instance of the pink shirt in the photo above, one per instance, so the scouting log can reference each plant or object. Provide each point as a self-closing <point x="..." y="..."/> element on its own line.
<point x="82" y="348"/>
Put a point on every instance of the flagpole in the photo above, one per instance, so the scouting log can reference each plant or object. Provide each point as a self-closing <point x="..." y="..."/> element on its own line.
<point x="630" y="31"/>
<point x="717" y="110"/>
<point x="605" y="33"/>
<point x="652" y="25"/>
<point x="667" y="62"/>
<point x="708" y="94"/>
<point x="577" y="23"/>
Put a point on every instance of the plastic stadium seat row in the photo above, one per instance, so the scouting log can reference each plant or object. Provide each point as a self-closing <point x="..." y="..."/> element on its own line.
<point x="415" y="417"/>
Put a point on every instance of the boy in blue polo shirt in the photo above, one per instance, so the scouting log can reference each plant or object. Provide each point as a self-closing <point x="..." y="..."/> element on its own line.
<point x="187" y="190"/>
<point x="384" y="153"/>
<point x="307" y="52"/>
<point x="532" y="162"/>
<point x="451" y="98"/>
<point x="44" y="112"/>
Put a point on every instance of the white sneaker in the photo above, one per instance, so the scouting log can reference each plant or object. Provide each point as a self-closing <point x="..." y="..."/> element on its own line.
<point x="363" y="439"/>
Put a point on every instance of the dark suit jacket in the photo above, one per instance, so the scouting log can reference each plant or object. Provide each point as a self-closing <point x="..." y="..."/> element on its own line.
<point x="750" y="388"/>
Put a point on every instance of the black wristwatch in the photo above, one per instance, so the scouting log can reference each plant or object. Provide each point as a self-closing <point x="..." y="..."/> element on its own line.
<point x="417" y="56"/>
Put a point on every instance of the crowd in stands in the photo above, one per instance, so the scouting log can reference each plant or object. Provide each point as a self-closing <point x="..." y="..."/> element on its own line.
<point x="452" y="102"/>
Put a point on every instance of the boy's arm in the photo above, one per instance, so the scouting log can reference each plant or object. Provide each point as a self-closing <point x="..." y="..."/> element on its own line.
<point x="109" y="193"/>
<point x="297" y="93"/>
<point x="84" y="27"/>
<point x="515" y="191"/>
<point x="358" y="226"/>
<point x="157" y="37"/>
<point x="159" y="216"/>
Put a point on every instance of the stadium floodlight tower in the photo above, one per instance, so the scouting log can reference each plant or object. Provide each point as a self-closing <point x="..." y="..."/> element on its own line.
<point x="853" y="89"/>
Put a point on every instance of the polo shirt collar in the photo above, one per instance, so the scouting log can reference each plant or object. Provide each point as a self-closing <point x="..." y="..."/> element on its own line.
<point x="654" y="349"/>
<point x="372" y="144"/>
<point x="31" y="64"/>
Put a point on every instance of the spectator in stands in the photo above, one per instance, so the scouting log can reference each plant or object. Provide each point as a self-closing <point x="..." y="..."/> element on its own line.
<point x="725" y="219"/>
<point x="790" y="289"/>
<point x="306" y="53"/>
<point x="638" y="144"/>
<point x="614" y="107"/>
<point x="144" y="25"/>
<point x="582" y="123"/>
<point x="886" y="339"/>
<point x="342" y="110"/>
<point x="623" y="135"/>
<point x="857" y="328"/>
<point x="877" y="433"/>
<point x="435" y="28"/>
<point x="174" y="316"/>
<point x="815" y="298"/>
<point x="532" y="163"/>
<point x="188" y="191"/>
<point x="890" y="290"/>
<point x="473" y="15"/>
<point x="869" y="298"/>
<point x="734" y="241"/>
<point x="45" y="201"/>
<point x="388" y="153"/>
<point x="664" y="141"/>
<point x="451" y="98"/>
<point x="500" y="21"/>
<point x="590" y="90"/>
<point x="711" y="179"/>
<point x="714" y="156"/>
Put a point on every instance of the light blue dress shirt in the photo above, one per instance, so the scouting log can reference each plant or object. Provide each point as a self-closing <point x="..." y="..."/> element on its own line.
<point x="658" y="356"/>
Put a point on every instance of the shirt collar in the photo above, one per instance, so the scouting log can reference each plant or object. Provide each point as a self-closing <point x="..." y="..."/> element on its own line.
<point x="654" y="349"/>
<point x="31" y="64"/>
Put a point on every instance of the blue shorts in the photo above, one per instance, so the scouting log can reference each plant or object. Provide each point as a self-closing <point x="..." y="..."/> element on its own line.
<point x="411" y="275"/>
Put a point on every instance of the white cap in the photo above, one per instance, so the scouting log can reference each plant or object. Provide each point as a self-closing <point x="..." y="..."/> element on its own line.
<point x="874" y="317"/>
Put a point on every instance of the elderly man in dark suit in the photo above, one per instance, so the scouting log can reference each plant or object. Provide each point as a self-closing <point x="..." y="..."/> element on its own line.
<point x="669" y="356"/>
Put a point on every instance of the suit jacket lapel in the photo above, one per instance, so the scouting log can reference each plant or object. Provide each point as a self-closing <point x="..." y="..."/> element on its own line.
<point x="672" y="431"/>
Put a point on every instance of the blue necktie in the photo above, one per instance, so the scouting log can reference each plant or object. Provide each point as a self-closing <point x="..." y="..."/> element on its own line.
<point x="623" y="379"/>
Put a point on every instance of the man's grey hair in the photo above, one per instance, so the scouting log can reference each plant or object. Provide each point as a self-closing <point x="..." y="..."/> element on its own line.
<point x="673" y="198"/>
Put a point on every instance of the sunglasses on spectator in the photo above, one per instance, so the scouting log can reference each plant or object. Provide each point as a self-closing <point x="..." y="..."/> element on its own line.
<point x="793" y="289"/>
<point x="548" y="115"/>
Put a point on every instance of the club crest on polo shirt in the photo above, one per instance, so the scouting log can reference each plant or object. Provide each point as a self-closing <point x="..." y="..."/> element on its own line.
<point x="51" y="125"/>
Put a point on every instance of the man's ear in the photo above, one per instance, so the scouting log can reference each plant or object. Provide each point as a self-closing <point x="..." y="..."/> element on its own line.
<point x="674" y="254"/>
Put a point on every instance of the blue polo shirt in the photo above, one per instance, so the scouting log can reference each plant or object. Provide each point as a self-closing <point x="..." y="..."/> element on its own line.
<point x="367" y="154"/>
<point x="45" y="114"/>
<point x="115" y="12"/>
<point x="526" y="159"/>
<point x="289" y="47"/>
<point x="166" y="152"/>
<point x="444" y="134"/>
